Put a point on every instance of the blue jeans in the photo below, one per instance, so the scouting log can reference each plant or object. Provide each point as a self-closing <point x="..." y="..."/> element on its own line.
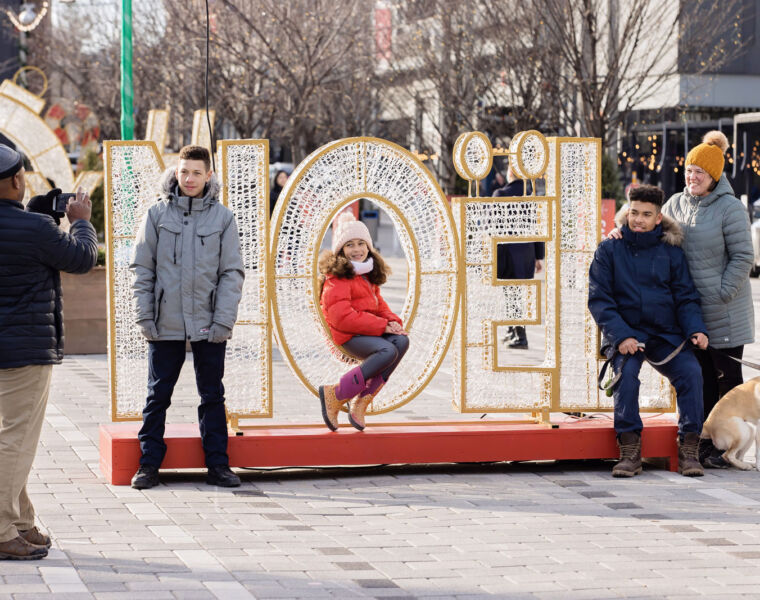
<point x="165" y="360"/>
<point x="684" y="374"/>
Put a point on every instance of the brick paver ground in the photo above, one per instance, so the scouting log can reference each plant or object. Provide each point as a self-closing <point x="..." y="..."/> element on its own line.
<point x="528" y="530"/>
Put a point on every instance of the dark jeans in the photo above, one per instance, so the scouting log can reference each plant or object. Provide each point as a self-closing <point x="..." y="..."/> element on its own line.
<point x="684" y="374"/>
<point x="720" y="374"/>
<point x="165" y="360"/>
<point x="382" y="353"/>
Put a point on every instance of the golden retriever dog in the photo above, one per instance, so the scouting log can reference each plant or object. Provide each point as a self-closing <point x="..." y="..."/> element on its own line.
<point x="730" y="424"/>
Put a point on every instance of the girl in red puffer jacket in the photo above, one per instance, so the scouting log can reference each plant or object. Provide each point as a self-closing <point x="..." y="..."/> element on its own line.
<point x="359" y="320"/>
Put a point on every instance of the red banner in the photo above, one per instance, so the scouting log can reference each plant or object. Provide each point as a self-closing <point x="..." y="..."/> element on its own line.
<point x="608" y="216"/>
<point x="383" y="33"/>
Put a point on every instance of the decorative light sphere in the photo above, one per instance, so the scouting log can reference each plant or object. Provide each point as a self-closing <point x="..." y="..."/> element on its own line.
<point x="27" y="14"/>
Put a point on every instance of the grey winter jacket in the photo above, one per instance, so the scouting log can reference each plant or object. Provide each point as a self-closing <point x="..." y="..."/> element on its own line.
<point x="187" y="264"/>
<point x="718" y="248"/>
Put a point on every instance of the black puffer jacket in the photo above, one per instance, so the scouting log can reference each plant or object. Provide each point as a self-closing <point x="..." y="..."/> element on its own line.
<point x="32" y="252"/>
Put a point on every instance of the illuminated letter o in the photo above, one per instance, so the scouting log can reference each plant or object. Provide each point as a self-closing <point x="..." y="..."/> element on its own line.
<point x="326" y="181"/>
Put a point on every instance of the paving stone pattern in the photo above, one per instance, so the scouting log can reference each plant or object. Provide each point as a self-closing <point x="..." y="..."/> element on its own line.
<point x="521" y="530"/>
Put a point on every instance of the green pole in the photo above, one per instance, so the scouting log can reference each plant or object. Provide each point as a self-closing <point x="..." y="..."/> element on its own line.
<point x="127" y="112"/>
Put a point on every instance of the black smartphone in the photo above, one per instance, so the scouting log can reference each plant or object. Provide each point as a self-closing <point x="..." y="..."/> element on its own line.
<point x="61" y="201"/>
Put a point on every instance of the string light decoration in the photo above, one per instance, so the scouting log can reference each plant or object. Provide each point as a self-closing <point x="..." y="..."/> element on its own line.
<point x="566" y="219"/>
<point x="27" y="20"/>
<point x="327" y="181"/>
<point x="452" y="295"/>
<point x="21" y="123"/>
<point x="133" y="172"/>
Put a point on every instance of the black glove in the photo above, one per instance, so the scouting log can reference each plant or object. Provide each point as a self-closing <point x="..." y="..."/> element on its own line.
<point x="44" y="205"/>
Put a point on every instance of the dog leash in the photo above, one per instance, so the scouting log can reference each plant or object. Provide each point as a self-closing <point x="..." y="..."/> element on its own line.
<point x="612" y="382"/>
<point x="746" y="363"/>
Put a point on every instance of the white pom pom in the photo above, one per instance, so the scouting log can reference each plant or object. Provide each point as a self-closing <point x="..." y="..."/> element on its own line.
<point x="716" y="138"/>
<point x="345" y="217"/>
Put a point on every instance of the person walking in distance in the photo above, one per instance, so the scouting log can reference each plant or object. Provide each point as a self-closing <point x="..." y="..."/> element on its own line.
<point x="187" y="287"/>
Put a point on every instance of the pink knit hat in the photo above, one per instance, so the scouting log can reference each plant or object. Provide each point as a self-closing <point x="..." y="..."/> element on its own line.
<point x="348" y="228"/>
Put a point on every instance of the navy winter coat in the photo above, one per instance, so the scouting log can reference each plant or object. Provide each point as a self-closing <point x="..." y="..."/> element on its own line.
<point x="32" y="252"/>
<point x="517" y="260"/>
<point x="640" y="287"/>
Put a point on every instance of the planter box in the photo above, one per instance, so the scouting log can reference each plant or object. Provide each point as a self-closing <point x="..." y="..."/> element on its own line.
<point x="85" y="316"/>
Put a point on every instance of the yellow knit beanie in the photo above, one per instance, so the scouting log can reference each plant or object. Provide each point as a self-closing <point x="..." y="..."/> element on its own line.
<point x="709" y="154"/>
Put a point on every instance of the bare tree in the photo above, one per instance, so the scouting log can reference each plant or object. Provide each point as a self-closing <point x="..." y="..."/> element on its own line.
<point x="89" y="70"/>
<point x="527" y="82"/>
<point x="443" y="66"/>
<point x="314" y="53"/>
<point x="307" y="71"/>
<point x="617" y="54"/>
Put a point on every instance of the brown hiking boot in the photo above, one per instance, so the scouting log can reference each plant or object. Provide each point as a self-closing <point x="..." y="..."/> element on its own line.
<point x="332" y="397"/>
<point x="36" y="537"/>
<point x="688" y="456"/>
<point x="358" y="406"/>
<point x="358" y="409"/>
<point x="630" y="455"/>
<point x="19" y="549"/>
<point x="330" y="405"/>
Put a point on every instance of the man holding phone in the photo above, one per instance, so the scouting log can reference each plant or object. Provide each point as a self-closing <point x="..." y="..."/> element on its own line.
<point x="33" y="251"/>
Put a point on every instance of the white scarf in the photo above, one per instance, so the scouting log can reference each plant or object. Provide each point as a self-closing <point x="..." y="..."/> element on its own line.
<point x="362" y="268"/>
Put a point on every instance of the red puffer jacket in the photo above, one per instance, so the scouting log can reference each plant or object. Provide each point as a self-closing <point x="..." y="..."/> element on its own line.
<point x="354" y="307"/>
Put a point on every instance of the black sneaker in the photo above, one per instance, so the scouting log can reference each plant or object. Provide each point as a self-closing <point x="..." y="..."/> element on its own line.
<point x="518" y="345"/>
<point x="146" y="477"/>
<point x="222" y="476"/>
<point x="710" y="456"/>
<point x="715" y="462"/>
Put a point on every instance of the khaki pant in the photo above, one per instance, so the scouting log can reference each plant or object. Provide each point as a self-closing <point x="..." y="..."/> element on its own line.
<point x="23" y="398"/>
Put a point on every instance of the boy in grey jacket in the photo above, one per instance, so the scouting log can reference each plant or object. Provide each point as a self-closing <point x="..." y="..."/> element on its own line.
<point x="188" y="283"/>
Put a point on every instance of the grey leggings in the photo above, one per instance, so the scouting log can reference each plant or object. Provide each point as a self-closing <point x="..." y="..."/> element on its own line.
<point x="382" y="353"/>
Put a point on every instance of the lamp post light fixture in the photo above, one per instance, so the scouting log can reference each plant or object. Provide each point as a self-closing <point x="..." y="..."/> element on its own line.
<point x="28" y="18"/>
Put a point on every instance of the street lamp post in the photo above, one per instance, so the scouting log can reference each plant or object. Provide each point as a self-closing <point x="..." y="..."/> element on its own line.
<point x="26" y="21"/>
<point x="127" y="114"/>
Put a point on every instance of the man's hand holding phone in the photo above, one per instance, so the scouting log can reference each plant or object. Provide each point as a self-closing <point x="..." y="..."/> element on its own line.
<point x="79" y="207"/>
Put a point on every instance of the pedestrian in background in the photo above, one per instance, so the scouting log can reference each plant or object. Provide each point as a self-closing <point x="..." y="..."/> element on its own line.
<point x="517" y="260"/>
<point x="33" y="251"/>
<point x="280" y="179"/>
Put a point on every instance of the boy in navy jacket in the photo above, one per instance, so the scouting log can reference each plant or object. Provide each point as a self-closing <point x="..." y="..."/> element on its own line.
<point x="644" y="300"/>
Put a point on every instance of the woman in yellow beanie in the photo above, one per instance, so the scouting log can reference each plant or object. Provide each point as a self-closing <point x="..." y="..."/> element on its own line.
<point x="718" y="248"/>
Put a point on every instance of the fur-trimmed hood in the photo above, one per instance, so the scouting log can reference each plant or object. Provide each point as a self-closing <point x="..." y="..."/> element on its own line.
<point x="170" y="188"/>
<point x="671" y="230"/>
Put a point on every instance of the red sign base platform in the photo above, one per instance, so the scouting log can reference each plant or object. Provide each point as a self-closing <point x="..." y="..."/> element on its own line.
<point x="392" y="443"/>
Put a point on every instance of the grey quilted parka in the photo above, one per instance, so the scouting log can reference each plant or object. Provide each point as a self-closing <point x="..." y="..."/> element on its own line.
<point x="718" y="248"/>
<point x="187" y="264"/>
